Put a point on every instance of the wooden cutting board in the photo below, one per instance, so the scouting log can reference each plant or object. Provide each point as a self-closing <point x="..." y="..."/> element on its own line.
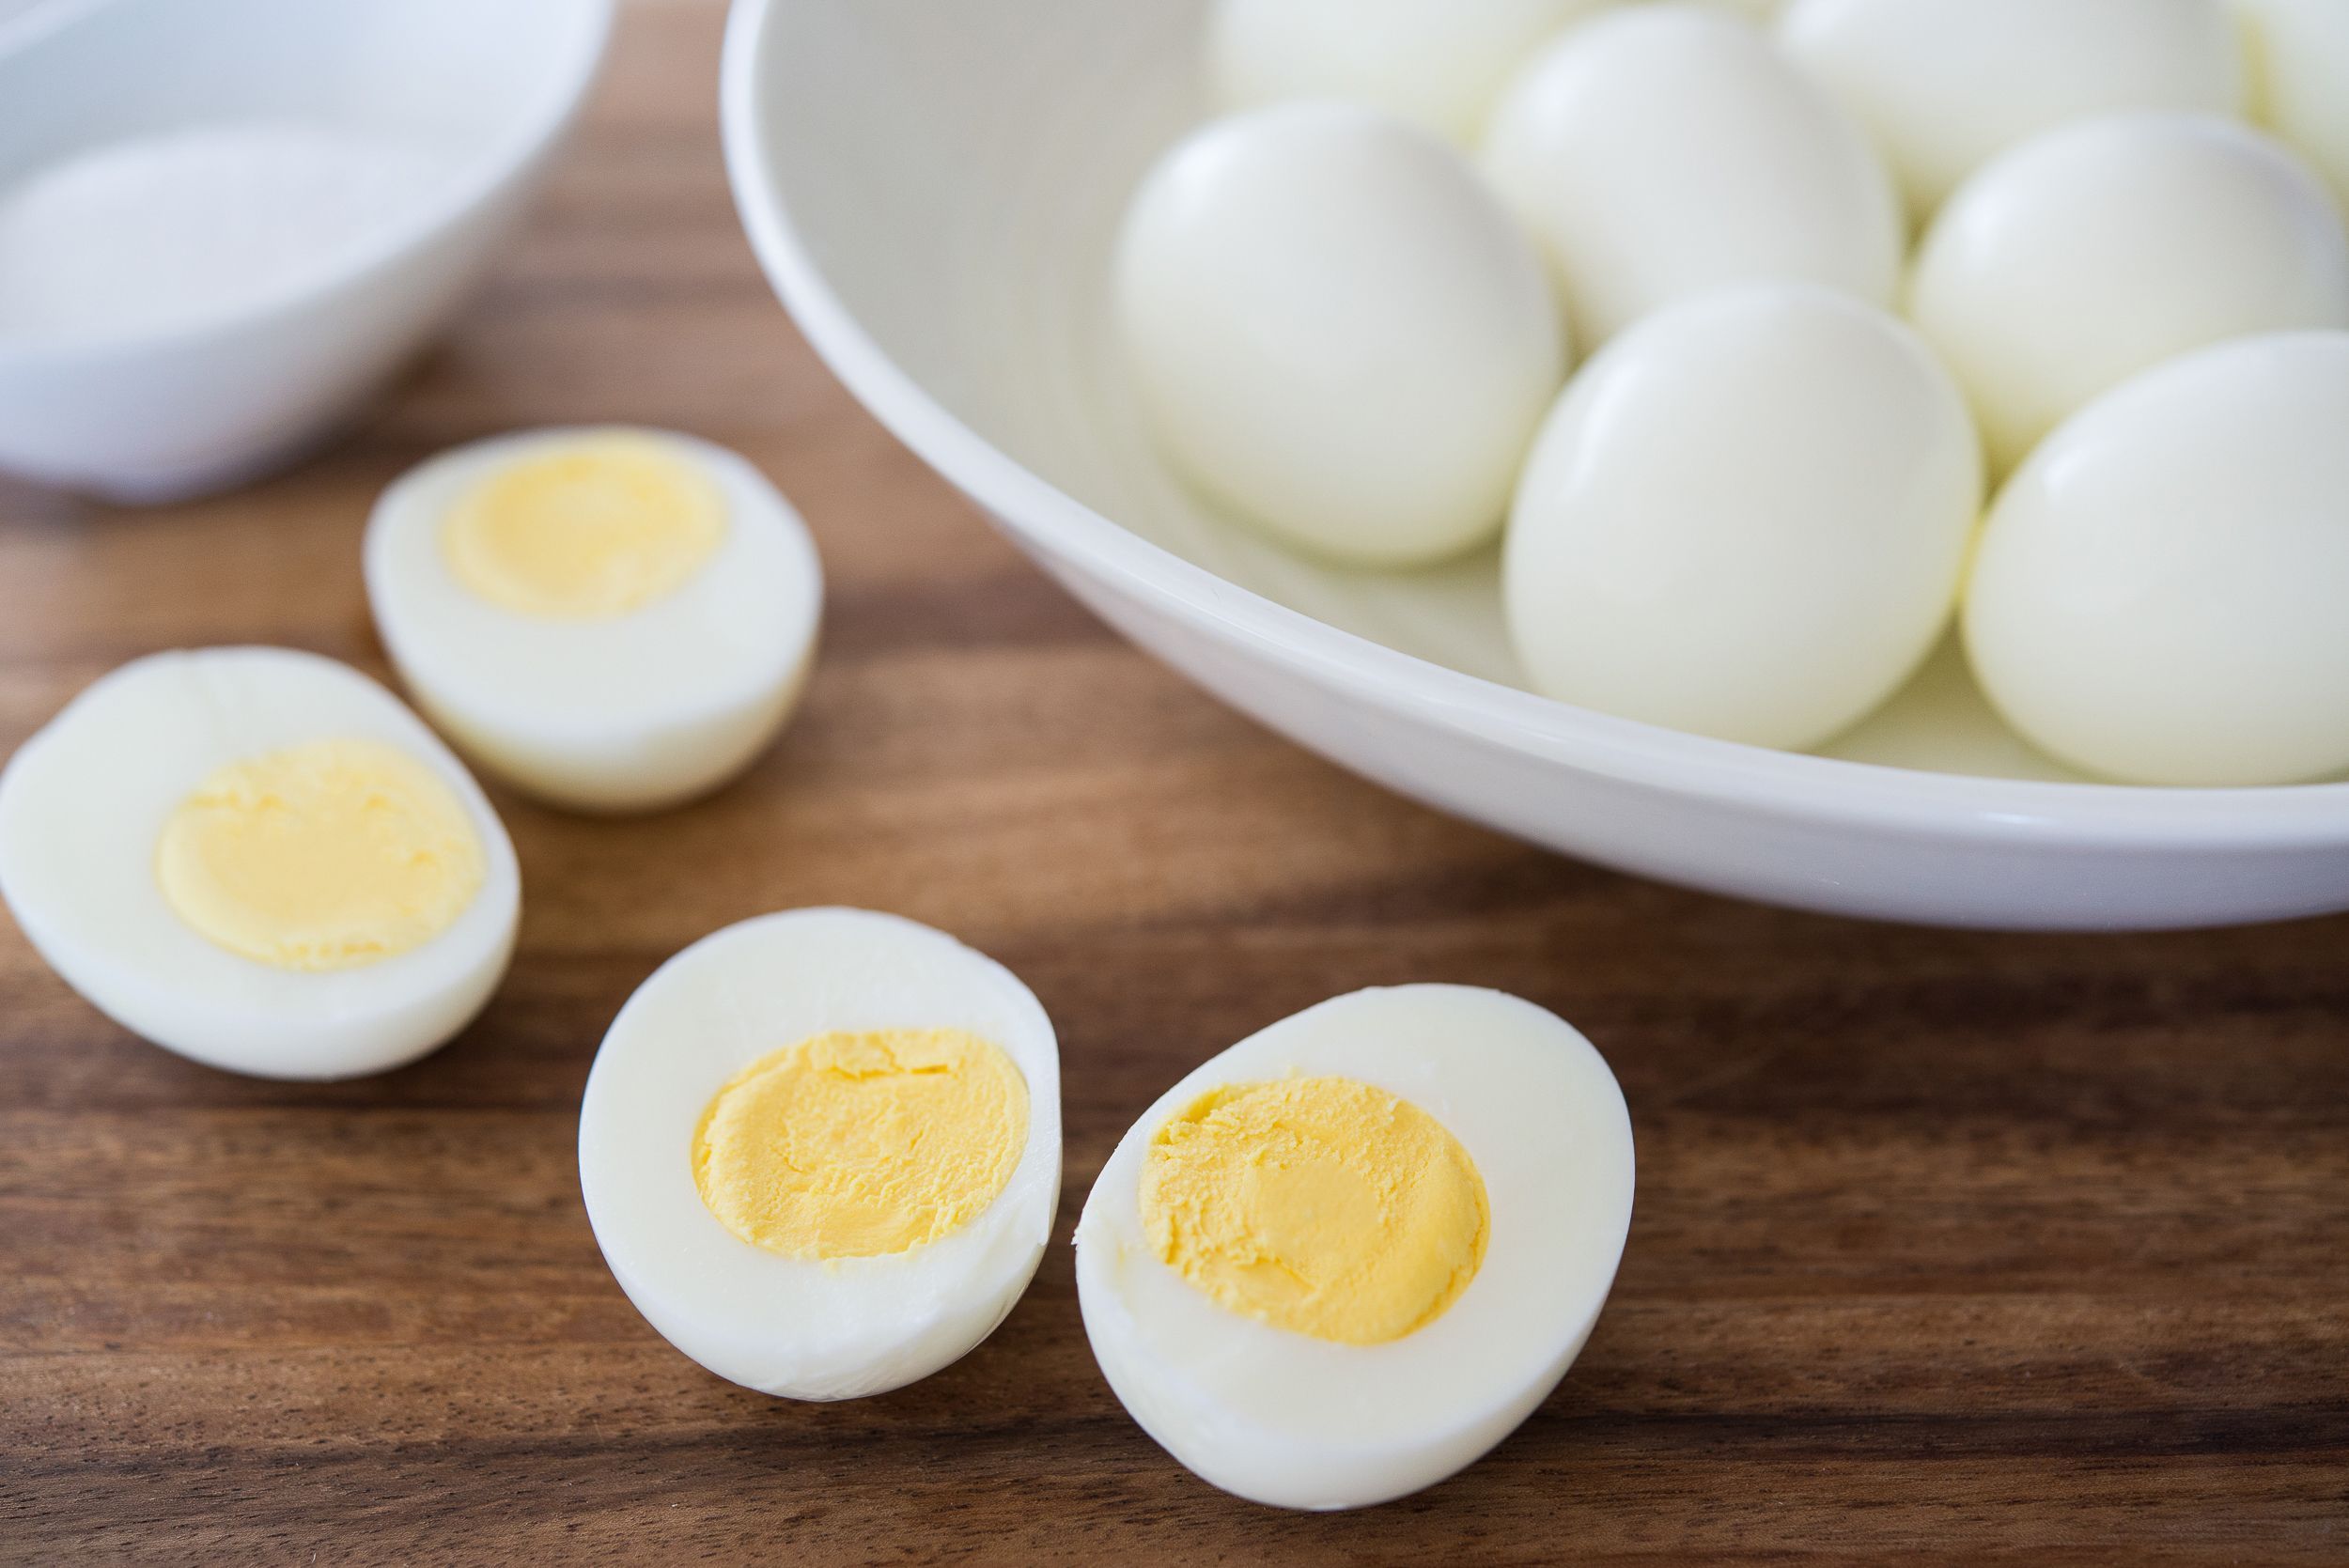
<point x="1959" y="1247"/>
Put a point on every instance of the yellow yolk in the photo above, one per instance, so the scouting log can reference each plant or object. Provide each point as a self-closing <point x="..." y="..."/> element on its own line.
<point x="854" y="1145"/>
<point x="591" y="528"/>
<point x="322" y="856"/>
<point x="1316" y="1204"/>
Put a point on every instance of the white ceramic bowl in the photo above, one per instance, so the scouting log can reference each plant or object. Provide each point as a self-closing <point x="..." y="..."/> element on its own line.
<point x="933" y="189"/>
<point x="175" y="412"/>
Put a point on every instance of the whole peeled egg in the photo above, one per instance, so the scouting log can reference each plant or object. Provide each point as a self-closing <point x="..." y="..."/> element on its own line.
<point x="1945" y="84"/>
<point x="820" y="1150"/>
<point x="2161" y="594"/>
<point x="256" y="858"/>
<point x="1336" y="332"/>
<point x="1436" y="63"/>
<point x="2300" y="78"/>
<point x="2069" y="263"/>
<point x="613" y="619"/>
<point x="1746" y="519"/>
<point x="1662" y="150"/>
<point x="1346" y="1256"/>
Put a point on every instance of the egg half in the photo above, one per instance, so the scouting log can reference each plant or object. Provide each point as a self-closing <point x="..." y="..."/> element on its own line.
<point x="1346" y="1257"/>
<point x="258" y="859"/>
<point x="820" y="1150"/>
<point x="611" y="619"/>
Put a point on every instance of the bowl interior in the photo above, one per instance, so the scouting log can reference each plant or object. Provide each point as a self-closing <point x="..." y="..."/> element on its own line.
<point x="482" y="81"/>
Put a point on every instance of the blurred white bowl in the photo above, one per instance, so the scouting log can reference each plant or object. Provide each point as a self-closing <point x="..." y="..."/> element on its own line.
<point x="175" y="412"/>
<point x="933" y="189"/>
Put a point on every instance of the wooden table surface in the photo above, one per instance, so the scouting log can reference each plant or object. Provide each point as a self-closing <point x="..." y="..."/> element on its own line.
<point x="1963" y="1247"/>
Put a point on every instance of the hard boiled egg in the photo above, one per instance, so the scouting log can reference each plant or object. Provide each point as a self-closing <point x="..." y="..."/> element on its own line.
<point x="611" y="619"/>
<point x="1344" y="1258"/>
<point x="2300" y="78"/>
<point x="2162" y="592"/>
<point x="1663" y="150"/>
<point x="1745" y="519"/>
<point x="258" y="859"/>
<point x="1945" y="84"/>
<point x="2079" y="257"/>
<point x="1436" y="63"/>
<point x="820" y="1150"/>
<point x="1336" y="332"/>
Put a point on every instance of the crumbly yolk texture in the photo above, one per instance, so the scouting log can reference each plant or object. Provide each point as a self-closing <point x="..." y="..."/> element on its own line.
<point x="585" y="530"/>
<point x="854" y="1145"/>
<point x="323" y="856"/>
<point x="1316" y="1204"/>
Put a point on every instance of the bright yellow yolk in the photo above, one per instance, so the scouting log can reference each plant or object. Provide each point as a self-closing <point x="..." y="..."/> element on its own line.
<point x="1316" y="1204"/>
<point x="854" y="1145"/>
<point x="590" y="528"/>
<point x="323" y="856"/>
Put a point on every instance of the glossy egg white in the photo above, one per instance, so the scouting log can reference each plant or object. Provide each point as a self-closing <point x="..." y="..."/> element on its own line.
<point x="83" y="801"/>
<point x="1746" y="518"/>
<point x="1297" y="1422"/>
<point x="1660" y="151"/>
<point x="789" y="1327"/>
<point x="1436" y="63"/>
<point x="628" y="712"/>
<point x="2161" y="595"/>
<point x="1944" y="85"/>
<point x="2069" y="263"/>
<point x="1336" y="332"/>
<point x="2300" y="78"/>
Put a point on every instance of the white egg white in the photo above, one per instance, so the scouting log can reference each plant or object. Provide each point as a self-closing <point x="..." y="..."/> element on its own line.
<point x="83" y="801"/>
<point x="628" y="713"/>
<point x="1661" y="151"/>
<point x="795" y="1327"/>
<point x="1296" y="1422"/>
<point x="2161" y="592"/>
<point x="1746" y="517"/>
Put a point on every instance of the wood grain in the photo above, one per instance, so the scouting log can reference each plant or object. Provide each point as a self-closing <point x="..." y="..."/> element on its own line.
<point x="1966" y="1248"/>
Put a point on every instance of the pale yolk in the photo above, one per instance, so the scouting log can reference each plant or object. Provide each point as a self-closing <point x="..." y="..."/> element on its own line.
<point x="1316" y="1204"/>
<point x="852" y="1145"/>
<point x="588" y="529"/>
<point x="322" y="856"/>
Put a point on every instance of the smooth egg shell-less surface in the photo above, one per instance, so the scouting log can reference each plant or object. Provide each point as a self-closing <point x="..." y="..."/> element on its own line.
<point x="624" y="712"/>
<point x="1285" y="1419"/>
<point x="787" y="1325"/>
<point x="2071" y="262"/>
<point x="2162" y="592"/>
<point x="1660" y="151"/>
<point x="83" y="803"/>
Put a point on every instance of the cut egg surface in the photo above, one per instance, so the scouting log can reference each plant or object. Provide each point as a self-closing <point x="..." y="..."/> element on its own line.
<point x="1346" y="1256"/>
<point x="260" y="859"/>
<point x="611" y="619"/>
<point x="820" y="1150"/>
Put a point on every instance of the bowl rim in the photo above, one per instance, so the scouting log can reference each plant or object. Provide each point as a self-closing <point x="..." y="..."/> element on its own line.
<point x="1791" y="784"/>
<point x="476" y="182"/>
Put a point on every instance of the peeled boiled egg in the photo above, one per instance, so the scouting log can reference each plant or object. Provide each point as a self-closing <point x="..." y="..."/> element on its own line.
<point x="610" y="619"/>
<point x="820" y="1150"/>
<point x="1346" y="1257"/>
<point x="1746" y="518"/>
<point x="1663" y="150"/>
<point x="1336" y="332"/>
<point x="2162" y="592"/>
<point x="2300" y="78"/>
<point x="2071" y="262"/>
<point x="1945" y="84"/>
<point x="258" y="859"/>
<point x="1436" y="63"/>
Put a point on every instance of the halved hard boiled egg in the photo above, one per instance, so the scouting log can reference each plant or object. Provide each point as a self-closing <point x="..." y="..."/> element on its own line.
<point x="820" y="1150"/>
<point x="1349" y="1255"/>
<point x="611" y="619"/>
<point x="258" y="859"/>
